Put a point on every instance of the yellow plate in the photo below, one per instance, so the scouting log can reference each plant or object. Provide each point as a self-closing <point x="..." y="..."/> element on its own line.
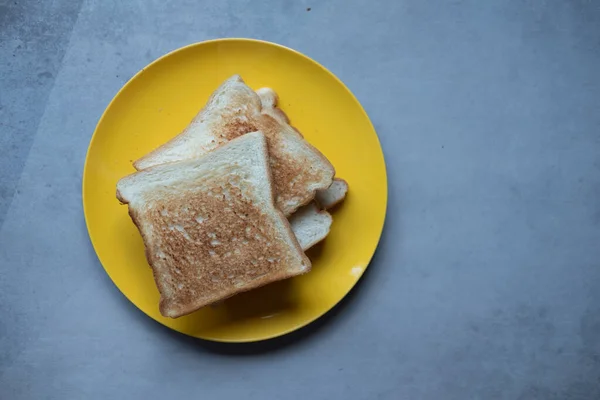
<point x="158" y="102"/>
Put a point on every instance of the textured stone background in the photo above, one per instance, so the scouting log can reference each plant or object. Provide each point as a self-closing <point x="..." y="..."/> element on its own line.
<point x="486" y="282"/>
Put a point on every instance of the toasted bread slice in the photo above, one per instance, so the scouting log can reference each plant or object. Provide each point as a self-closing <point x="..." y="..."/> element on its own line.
<point x="327" y="198"/>
<point x="333" y="195"/>
<point x="234" y="109"/>
<point x="310" y="225"/>
<point x="210" y="225"/>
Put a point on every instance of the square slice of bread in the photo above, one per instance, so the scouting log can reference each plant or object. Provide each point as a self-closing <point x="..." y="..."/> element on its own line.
<point x="210" y="225"/>
<point x="234" y="109"/>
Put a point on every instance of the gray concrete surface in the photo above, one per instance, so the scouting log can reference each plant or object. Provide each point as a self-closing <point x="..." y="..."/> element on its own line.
<point x="33" y="39"/>
<point x="485" y="285"/>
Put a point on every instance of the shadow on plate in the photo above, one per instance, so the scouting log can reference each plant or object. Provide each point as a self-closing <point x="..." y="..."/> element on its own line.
<point x="262" y="303"/>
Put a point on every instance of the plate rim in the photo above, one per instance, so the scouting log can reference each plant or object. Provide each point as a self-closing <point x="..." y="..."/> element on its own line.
<point x="263" y="42"/>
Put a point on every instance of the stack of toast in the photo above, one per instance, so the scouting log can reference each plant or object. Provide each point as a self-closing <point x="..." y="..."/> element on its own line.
<point x="232" y="202"/>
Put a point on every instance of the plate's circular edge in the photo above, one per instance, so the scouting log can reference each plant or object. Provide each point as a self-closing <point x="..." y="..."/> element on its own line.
<point x="220" y="40"/>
